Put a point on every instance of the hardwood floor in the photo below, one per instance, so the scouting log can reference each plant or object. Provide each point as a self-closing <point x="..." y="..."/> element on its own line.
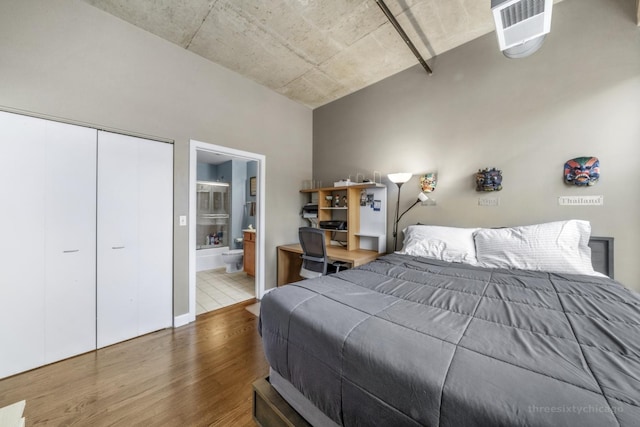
<point x="196" y="375"/>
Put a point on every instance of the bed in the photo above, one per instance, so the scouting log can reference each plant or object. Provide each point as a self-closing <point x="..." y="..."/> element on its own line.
<point x="464" y="327"/>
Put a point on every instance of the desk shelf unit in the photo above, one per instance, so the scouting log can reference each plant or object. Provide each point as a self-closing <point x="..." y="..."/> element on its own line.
<point x="366" y="226"/>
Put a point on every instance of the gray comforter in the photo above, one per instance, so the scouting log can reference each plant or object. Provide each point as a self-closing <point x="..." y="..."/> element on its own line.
<point x="411" y="341"/>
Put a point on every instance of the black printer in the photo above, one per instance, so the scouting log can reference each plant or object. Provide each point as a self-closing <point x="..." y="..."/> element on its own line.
<point x="310" y="210"/>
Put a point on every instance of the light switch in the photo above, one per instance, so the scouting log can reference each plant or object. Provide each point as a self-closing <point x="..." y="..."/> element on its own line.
<point x="183" y="220"/>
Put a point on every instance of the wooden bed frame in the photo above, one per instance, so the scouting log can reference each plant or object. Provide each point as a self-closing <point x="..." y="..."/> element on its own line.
<point x="271" y="410"/>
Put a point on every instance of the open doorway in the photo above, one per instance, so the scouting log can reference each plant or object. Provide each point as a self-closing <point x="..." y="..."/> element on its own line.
<point x="226" y="194"/>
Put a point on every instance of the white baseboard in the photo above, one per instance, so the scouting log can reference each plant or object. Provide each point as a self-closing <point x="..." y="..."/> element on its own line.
<point x="183" y="319"/>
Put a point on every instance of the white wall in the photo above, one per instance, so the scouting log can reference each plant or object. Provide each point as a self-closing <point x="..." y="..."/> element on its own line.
<point x="578" y="96"/>
<point x="67" y="59"/>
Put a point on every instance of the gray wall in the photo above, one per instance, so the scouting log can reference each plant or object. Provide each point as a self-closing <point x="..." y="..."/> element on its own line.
<point x="579" y="95"/>
<point x="67" y="59"/>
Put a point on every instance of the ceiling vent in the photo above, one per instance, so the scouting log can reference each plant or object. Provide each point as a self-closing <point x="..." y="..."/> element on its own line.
<point x="521" y="25"/>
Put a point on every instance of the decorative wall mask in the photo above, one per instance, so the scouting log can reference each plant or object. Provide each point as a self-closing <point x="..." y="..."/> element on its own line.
<point x="428" y="182"/>
<point x="582" y="171"/>
<point x="489" y="180"/>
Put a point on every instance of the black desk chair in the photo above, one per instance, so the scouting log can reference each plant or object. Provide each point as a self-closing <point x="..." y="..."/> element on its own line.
<point x="315" y="262"/>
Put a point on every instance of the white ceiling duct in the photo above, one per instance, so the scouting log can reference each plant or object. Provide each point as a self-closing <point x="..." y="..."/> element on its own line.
<point x="521" y="25"/>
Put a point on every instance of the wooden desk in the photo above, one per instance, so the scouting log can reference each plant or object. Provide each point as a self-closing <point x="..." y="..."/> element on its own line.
<point x="289" y="260"/>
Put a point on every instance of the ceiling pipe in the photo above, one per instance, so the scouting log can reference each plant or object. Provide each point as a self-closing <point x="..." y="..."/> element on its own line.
<point x="404" y="36"/>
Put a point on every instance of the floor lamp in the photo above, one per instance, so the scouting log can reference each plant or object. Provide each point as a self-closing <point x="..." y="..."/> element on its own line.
<point x="398" y="179"/>
<point x="421" y="198"/>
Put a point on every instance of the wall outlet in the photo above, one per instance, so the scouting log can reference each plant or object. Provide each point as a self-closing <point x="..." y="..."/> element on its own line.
<point x="183" y="220"/>
<point x="489" y="201"/>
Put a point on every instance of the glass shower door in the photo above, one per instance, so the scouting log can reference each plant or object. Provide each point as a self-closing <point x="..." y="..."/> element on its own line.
<point x="212" y="227"/>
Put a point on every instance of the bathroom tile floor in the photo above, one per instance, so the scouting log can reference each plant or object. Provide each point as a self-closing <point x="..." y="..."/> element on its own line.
<point x="217" y="289"/>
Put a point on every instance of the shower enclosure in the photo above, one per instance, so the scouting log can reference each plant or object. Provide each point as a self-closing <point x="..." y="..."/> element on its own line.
<point x="212" y="225"/>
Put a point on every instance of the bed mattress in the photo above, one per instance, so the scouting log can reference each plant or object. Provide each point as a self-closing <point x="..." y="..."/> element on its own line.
<point x="412" y="341"/>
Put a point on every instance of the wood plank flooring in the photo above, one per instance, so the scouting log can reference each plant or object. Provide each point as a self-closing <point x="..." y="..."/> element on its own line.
<point x="196" y="375"/>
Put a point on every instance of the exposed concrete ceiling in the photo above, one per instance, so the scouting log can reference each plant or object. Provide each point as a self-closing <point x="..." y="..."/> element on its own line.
<point x="312" y="51"/>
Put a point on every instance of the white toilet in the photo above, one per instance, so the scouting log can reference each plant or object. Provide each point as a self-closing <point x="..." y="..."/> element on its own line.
<point x="233" y="260"/>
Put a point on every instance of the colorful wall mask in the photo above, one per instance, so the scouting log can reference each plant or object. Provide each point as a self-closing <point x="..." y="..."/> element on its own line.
<point x="582" y="171"/>
<point x="489" y="180"/>
<point x="428" y="182"/>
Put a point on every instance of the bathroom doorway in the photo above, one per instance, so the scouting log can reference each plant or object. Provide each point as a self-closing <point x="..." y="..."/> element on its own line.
<point x="226" y="193"/>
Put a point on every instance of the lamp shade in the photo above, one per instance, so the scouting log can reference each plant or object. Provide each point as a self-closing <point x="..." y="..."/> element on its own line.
<point x="399" y="178"/>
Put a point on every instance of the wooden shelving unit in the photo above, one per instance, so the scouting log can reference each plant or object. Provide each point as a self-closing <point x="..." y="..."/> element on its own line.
<point x="366" y="229"/>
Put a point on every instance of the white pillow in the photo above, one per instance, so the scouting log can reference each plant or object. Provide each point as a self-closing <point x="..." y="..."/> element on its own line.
<point x="444" y="243"/>
<point x="560" y="247"/>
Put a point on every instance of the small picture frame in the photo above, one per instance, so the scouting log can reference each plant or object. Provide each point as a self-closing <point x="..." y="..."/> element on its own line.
<point x="428" y="182"/>
<point x="252" y="186"/>
<point x="369" y="200"/>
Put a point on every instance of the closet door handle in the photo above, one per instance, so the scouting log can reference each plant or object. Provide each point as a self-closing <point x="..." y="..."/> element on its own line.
<point x="71" y="251"/>
<point x="117" y="247"/>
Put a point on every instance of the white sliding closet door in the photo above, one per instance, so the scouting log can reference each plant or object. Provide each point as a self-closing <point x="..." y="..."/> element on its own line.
<point x="117" y="239"/>
<point x="135" y="237"/>
<point x="22" y="178"/>
<point x="70" y="249"/>
<point x="47" y="279"/>
<point x="156" y="231"/>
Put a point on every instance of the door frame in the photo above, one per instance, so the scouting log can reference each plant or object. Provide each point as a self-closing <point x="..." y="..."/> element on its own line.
<point x="194" y="147"/>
